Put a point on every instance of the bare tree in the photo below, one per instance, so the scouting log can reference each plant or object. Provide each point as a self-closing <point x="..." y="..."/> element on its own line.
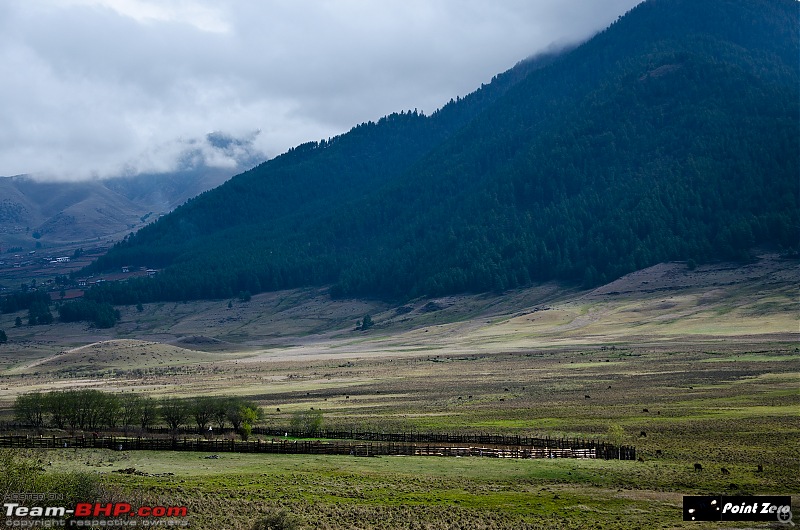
<point x="203" y="411"/>
<point x="174" y="411"/>
<point x="30" y="408"/>
<point x="57" y="407"/>
<point x="130" y="410"/>
<point x="149" y="412"/>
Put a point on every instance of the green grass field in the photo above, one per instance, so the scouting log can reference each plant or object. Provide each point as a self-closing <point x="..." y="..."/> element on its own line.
<point x="736" y="412"/>
<point x="706" y="366"/>
<point x="410" y="492"/>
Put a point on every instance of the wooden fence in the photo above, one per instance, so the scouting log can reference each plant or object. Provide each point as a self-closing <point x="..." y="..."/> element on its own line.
<point x="323" y="447"/>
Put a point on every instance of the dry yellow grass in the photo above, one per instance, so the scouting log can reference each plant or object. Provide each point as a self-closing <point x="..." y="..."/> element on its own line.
<point x="712" y="355"/>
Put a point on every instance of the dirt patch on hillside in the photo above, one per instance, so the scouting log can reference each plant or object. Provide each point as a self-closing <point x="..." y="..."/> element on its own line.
<point x="203" y="344"/>
<point x="121" y="354"/>
<point x="673" y="276"/>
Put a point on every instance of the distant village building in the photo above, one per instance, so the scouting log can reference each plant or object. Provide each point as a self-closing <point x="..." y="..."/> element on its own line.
<point x="126" y="269"/>
<point x="63" y="259"/>
<point x="151" y="272"/>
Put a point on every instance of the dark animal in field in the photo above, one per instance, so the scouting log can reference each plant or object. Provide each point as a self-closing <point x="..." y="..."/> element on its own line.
<point x="645" y="410"/>
<point x="725" y="471"/>
<point x="642" y="434"/>
<point x="698" y="467"/>
<point x="587" y="396"/>
<point x="760" y="469"/>
<point x="640" y="459"/>
<point x="609" y="387"/>
<point x="659" y="452"/>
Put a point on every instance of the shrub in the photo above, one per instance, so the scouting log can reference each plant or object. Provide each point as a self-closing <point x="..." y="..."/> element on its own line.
<point x="278" y="520"/>
<point x="20" y="471"/>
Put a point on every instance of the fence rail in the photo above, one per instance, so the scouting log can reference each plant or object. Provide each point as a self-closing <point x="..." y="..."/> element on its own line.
<point x="327" y="447"/>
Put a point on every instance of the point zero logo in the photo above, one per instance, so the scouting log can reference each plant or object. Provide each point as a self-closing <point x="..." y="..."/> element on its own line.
<point x="754" y="508"/>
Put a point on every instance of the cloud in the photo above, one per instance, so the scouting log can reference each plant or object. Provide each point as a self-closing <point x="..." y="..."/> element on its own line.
<point x="202" y="17"/>
<point x="100" y="88"/>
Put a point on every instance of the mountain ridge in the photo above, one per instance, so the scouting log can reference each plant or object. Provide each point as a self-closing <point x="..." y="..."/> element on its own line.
<point x="68" y="213"/>
<point x="670" y="135"/>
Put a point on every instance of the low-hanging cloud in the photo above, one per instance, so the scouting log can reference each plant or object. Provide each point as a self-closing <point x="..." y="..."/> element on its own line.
<point x="101" y="88"/>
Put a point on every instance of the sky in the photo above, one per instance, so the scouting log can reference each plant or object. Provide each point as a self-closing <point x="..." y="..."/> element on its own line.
<point x="105" y="88"/>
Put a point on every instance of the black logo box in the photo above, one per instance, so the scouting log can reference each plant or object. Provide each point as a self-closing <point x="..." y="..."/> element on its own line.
<point x="737" y="508"/>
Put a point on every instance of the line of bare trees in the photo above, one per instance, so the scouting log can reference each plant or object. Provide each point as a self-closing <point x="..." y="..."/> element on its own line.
<point x="93" y="410"/>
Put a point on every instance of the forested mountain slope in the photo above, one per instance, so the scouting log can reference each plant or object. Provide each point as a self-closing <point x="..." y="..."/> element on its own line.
<point x="671" y="135"/>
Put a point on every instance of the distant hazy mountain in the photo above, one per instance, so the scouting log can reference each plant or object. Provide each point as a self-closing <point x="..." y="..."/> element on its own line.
<point x="671" y="135"/>
<point x="56" y="213"/>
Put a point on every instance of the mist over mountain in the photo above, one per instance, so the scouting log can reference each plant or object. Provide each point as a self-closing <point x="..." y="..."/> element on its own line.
<point x="64" y="213"/>
<point x="672" y="135"/>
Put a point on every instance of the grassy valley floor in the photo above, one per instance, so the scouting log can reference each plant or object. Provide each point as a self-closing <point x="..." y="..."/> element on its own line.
<point x="688" y="366"/>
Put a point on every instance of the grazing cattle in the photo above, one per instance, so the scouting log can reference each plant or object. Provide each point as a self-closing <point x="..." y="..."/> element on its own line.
<point x="698" y="467"/>
<point x="641" y="459"/>
<point x="659" y="452"/>
<point x="725" y="471"/>
<point x="760" y="469"/>
<point x="645" y="410"/>
<point x="587" y="396"/>
<point x="642" y="434"/>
